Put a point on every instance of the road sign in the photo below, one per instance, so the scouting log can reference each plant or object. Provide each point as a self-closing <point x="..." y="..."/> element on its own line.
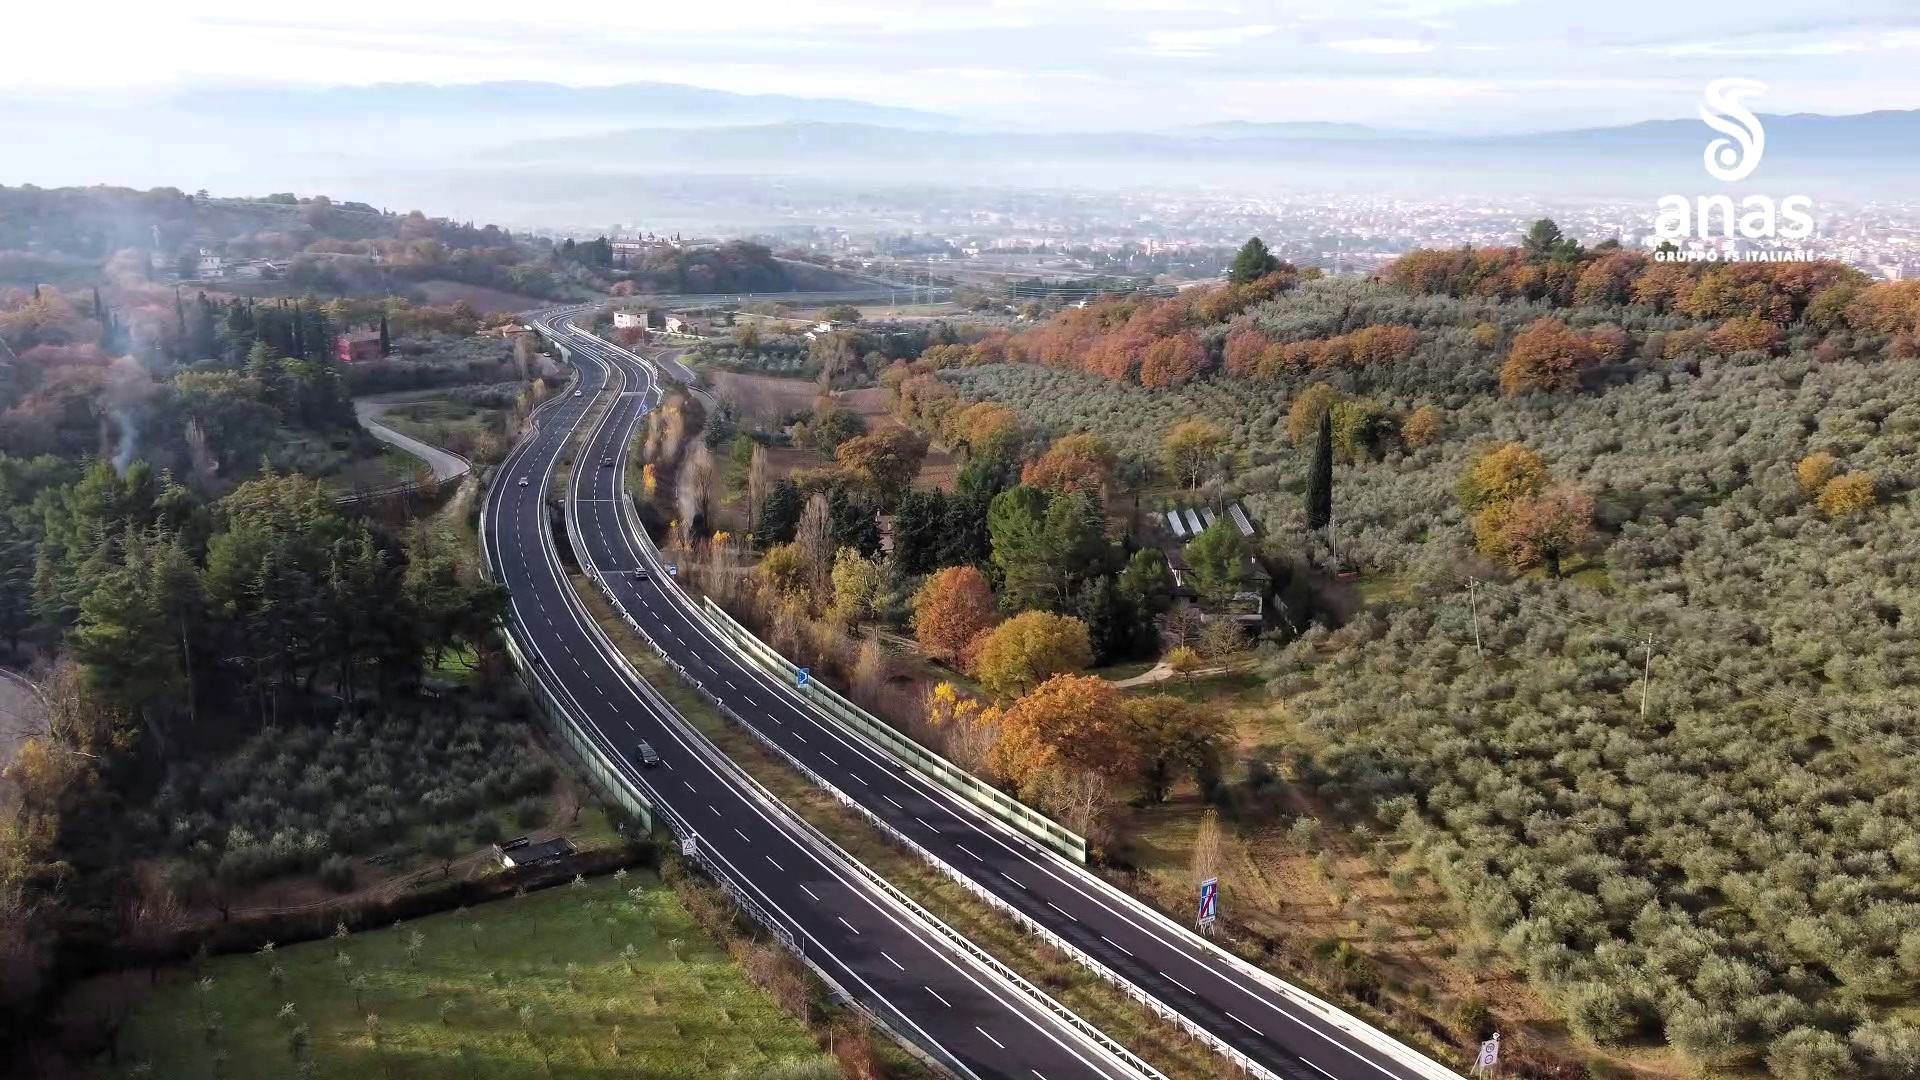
<point x="803" y="677"/>
<point x="1489" y="1058"/>
<point x="1209" y="901"/>
<point x="673" y="569"/>
<point x="689" y="846"/>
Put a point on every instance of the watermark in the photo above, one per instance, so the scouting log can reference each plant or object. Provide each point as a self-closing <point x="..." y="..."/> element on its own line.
<point x="1731" y="158"/>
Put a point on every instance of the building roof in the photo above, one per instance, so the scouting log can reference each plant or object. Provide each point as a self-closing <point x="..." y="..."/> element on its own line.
<point x="525" y="852"/>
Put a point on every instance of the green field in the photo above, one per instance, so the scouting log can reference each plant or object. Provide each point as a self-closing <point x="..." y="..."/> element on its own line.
<point x="583" y="980"/>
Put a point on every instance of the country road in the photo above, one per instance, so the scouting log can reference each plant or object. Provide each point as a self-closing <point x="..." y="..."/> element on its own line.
<point x="368" y="410"/>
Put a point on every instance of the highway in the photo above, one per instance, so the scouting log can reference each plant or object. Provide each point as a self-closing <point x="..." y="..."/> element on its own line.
<point x="899" y="967"/>
<point x="1282" y="1030"/>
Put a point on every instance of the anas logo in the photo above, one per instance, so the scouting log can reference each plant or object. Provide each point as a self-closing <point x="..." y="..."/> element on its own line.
<point x="1734" y="158"/>
<point x="1730" y="159"/>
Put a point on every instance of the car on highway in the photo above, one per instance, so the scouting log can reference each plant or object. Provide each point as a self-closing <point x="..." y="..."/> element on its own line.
<point x="641" y="574"/>
<point x="576" y="393"/>
<point x="523" y="481"/>
<point x="647" y="756"/>
<point x="605" y="461"/>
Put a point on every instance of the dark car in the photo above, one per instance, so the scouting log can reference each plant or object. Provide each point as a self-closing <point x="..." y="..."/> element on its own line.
<point x="605" y="461"/>
<point x="641" y="574"/>
<point x="647" y="756"/>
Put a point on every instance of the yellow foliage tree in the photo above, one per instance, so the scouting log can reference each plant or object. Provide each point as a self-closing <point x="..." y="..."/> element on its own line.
<point x="1849" y="494"/>
<point x="1502" y="474"/>
<point x="1191" y="447"/>
<point x="1815" y="470"/>
<point x="1424" y="427"/>
<point x="1027" y="649"/>
<point x="1536" y="529"/>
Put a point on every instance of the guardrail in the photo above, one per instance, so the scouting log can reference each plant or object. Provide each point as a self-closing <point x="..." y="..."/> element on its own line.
<point x="927" y="763"/>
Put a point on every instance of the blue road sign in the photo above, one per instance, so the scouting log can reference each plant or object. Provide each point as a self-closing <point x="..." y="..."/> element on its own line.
<point x="803" y="677"/>
<point x="1209" y="901"/>
<point x="673" y="569"/>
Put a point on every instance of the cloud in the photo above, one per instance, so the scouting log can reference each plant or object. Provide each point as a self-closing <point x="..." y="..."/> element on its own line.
<point x="1190" y="43"/>
<point x="1382" y="46"/>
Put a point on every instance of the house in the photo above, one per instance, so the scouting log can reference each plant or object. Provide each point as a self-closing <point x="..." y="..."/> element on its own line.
<point x="522" y="851"/>
<point x="1172" y="530"/>
<point x="629" y="320"/>
<point x="360" y="345"/>
<point x="677" y="324"/>
<point x="210" y="266"/>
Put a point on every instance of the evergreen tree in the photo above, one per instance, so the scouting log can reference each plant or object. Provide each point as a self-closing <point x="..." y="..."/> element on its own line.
<point x="386" y="336"/>
<point x="1320" y="475"/>
<point x="1253" y="262"/>
<point x="963" y="532"/>
<point x="917" y="525"/>
<point x="779" y="515"/>
<point x="1110" y="620"/>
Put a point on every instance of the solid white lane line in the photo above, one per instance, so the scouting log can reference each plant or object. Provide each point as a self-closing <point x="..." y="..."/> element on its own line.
<point x="892" y="961"/>
<point x="990" y="1038"/>
<point x="1246" y="1025"/>
<point x="1176" y="982"/>
<point x="1116" y="944"/>
<point x="845" y="923"/>
<point x="937" y="997"/>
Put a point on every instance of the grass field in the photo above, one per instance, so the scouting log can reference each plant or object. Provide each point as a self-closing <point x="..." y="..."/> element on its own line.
<point x="576" y="981"/>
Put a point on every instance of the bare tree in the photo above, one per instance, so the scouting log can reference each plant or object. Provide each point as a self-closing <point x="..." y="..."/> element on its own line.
<point x="815" y="537"/>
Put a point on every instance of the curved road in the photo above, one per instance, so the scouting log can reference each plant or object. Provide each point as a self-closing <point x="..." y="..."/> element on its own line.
<point x="1282" y="1029"/>
<point x="445" y="464"/>
<point x="866" y="943"/>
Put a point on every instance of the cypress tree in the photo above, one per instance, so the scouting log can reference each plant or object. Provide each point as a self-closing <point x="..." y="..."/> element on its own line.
<point x="386" y="340"/>
<point x="1320" y="477"/>
<point x="99" y="310"/>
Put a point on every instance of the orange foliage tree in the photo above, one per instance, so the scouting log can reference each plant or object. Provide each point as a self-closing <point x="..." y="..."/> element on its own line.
<point x="1536" y="529"/>
<point x="1080" y="460"/>
<point x="951" y="609"/>
<point x="1549" y="357"/>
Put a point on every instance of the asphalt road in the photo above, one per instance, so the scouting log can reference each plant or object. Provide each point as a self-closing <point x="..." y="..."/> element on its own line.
<point x="1286" y="1032"/>
<point x="445" y="464"/>
<point x="890" y="962"/>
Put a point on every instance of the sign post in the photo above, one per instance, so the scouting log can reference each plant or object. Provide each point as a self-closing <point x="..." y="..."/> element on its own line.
<point x="803" y="676"/>
<point x="1209" y="903"/>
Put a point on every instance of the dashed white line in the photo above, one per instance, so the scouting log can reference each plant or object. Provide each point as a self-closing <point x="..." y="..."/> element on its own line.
<point x="990" y="1038"/>
<point x="848" y="925"/>
<point x="937" y="997"/>
<point x="809" y="892"/>
<point x="1061" y="910"/>
<point x="1244" y="1024"/>
<point x="776" y="865"/>
<point x="716" y="811"/>
<point x="860" y="778"/>
<point x="824" y="754"/>
<point x="969" y="851"/>
<point x="892" y="961"/>
<point x="1116" y="944"/>
<point x="1011" y="878"/>
<point x="689" y="786"/>
<point x="743" y="836"/>
<point x="1177" y="983"/>
<point x="893" y="800"/>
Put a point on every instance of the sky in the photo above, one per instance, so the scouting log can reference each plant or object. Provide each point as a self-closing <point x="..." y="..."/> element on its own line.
<point x="1451" y="65"/>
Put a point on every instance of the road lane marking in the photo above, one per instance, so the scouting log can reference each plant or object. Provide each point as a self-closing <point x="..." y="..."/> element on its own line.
<point x="1177" y="983"/>
<point x="923" y="822"/>
<point x="824" y="754"/>
<point x="845" y="923"/>
<point x="937" y="997"/>
<point x="1246" y="1025"/>
<point x="990" y="1038"/>
<point x="1011" y="878"/>
<point x="1061" y="910"/>
<point x="969" y="851"/>
<point x="743" y="836"/>
<point x="860" y="778"/>
<point x="716" y="812"/>
<point x="892" y="800"/>
<point x="810" y="892"/>
<point x="892" y="961"/>
<point x="689" y="786"/>
<point x="776" y="865"/>
<point x="1115" y="944"/>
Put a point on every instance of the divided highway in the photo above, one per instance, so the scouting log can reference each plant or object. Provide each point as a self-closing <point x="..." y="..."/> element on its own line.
<point x="872" y="947"/>
<point x="1277" y="1028"/>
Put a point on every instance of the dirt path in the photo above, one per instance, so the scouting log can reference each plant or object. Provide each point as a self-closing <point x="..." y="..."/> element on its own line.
<point x="1163" y="671"/>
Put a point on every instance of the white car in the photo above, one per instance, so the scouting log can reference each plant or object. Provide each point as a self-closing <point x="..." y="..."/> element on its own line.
<point x="523" y="481"/>
<point x="576" y="393"/>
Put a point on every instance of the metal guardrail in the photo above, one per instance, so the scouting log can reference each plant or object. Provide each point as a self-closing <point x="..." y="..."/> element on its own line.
<point x="927" y="763"/>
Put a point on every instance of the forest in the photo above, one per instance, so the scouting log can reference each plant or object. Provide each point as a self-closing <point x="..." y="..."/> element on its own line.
<point x="1609" y="605"/>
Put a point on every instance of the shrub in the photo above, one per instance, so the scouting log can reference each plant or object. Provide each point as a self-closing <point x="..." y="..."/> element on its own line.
<point x="336" y="873"/>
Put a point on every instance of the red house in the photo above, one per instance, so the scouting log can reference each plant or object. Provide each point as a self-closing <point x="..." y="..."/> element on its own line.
<point x="358" y="346"/>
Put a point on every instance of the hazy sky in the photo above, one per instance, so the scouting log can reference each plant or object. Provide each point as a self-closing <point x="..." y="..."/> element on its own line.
<point x="1454" y="64"/>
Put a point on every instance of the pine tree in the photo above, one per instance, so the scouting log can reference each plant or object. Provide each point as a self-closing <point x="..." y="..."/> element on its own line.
<point x="386" y="339"/>
<point x="1320" y="477"/>
<point x="1253" y="262"/>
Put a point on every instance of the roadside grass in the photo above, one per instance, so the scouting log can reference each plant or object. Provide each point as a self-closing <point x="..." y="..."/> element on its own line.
<point x="1098" y="1002"/>
<point x="588" y="979"/>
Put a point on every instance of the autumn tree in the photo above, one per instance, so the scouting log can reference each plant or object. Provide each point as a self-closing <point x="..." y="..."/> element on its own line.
<point x="1423" y="427"/>
<point x="1191" y="448"/>
<point x="882" y="463"/>
<point x="1309" y="408"/>
<point x="1078" y="460"/>
<point x="814" y="539"/>
<point x="1502" y="473"/>
<point x="1535" y="529"/>
<point x="1027" y="649"/>
<point x="859" y="582"/>
<point x="951" y="609"/>
<point x="1547" y="357"/>
<point x="1848" y="494"/>
<point x="1815" y="470"/>
<point x="1066" y="723"/>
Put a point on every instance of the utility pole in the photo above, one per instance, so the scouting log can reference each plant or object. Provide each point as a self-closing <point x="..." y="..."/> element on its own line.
<point x="1473" y="601"/>
<point x="1646" y="678"/>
